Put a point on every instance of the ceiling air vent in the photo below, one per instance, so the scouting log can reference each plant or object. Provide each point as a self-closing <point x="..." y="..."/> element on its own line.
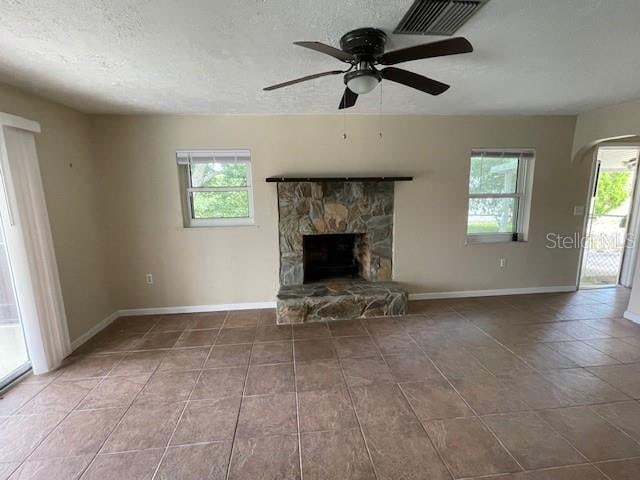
<point x="438" y="17"/>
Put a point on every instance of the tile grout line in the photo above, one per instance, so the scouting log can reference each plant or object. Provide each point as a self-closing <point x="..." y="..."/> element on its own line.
<point x="58" y="377"/>
<point x="406" y="399"/>
<point x="475" y="413"/>
<point x="530" y="365"/>
<point x="295" y="388"/>
<point x="138" y="450"/>
<point x="541" y="373"/>
<point x="204" y="365"/>
<point x="592" y="464"/>
<point x="535" y="412"/>
<point x="74" y="409"/>
<point x="353" y="405"/>
<point x="184" y="408"/>
<point x="244" y="388"/>
<point x="599" y="349"/>
<point x="590" y="407"/>
<point x="597" y="467"/>
<point x="611" y="385"/>
<point x="435" y="449"/>
<point x="31" y="397"/>
<point x="583" y="342"/>
<point x="127" y="353"/>
<point x="64" y="417"/>
<point x="544" y="469"/>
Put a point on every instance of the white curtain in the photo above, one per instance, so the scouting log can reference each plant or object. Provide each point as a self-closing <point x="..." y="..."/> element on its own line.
<point x="32" y="255"/>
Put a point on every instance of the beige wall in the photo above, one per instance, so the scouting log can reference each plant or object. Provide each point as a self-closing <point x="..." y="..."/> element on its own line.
<point x="139" y="177"/>
<point x="612" y="122"/>
<point x="70" y="183"/>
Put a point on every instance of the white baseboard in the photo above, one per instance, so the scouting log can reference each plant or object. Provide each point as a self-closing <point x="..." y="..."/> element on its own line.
<point x="94" y="331"/>
<point x="262" y="305"/>
<point x="629" y="315"/>
<point x="166" y="311"/>
<point x="491" y="293"/>
<point x="196" y="308"/>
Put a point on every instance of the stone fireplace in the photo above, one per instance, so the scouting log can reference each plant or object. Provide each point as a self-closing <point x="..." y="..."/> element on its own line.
<point x="315" y="208"/>
<point x="336" y="250"/>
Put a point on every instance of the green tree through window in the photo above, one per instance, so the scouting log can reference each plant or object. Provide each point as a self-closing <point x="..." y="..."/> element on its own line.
<point x="613" y="190"/>
<point x="218" y="187"/>
<point x="220" y="204"/>
<point x="487" y="176"/>
<point x="222" y="174"/>
<point x="222" y="200"/>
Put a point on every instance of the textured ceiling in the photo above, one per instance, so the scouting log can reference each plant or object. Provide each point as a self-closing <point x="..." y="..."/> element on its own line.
<point x="214" y="56"/>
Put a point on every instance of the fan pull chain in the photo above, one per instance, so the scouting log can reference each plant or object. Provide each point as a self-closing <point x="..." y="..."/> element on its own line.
<point x="380" y="114"/>
<point x="344" y="126"/>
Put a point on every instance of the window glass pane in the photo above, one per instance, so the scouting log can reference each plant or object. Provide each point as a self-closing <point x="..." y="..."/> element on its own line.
<point x="220" y="204"/>
<point x="492" y="215"/>
<point x="493" y="174"/>
<point x="219" y="174"/>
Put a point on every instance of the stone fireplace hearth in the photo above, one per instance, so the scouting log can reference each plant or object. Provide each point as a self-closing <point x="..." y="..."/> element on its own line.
<point x="336" y="251"/>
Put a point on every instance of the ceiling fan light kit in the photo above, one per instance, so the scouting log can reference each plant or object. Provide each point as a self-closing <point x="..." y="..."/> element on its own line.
<point x="363" y="49"/>
<point x="362" y="80"/>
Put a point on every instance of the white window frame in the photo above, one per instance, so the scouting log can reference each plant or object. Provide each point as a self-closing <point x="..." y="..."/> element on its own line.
<point x="186" y="158"/>
<point x="524" y="185"/>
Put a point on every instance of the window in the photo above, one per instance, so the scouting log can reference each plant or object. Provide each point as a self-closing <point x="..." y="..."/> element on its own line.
<point x="499" y="195"/>
<point x="217" y="188"/>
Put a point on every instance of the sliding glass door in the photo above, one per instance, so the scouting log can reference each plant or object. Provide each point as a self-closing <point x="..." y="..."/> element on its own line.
<point x="14" y="360"/>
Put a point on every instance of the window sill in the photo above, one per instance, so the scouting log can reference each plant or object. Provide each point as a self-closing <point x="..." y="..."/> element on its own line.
<point x="499" y="238"/>
<point x="214" y="224"/>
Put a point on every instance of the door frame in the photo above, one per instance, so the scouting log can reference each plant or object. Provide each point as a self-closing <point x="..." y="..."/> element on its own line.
<point x="634" y="214"/>
<point x="587" y="209"/>
<point x="630" y="255"/>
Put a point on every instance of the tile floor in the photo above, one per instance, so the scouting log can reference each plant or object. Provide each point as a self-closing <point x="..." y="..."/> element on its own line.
<point x="538" y="387"/>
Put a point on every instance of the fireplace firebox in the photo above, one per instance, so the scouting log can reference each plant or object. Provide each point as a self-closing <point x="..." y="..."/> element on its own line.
<point x="332" y="255"/>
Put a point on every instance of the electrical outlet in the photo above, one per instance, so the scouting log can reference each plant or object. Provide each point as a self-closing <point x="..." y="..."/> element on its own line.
<point x="503" y="262"/>
<point x="578" y="210"/>
<point x="149" y="278"/>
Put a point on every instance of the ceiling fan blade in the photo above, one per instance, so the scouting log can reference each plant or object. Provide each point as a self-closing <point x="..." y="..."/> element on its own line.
<point x="413" y="80"/>
<point x="450" y="46"/>
<point x="302" y="79"/>
<point x="327" y="50"/>
<point x="348" y="99"/>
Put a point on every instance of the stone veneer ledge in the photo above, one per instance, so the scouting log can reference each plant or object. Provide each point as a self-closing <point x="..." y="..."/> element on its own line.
<point x="340" y="300"/>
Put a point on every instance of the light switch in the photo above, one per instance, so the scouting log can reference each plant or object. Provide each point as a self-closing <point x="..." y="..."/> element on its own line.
<point x="578" y="210"/>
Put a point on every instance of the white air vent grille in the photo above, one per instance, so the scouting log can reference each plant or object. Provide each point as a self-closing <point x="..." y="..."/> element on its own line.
<point x="438" y="17"/>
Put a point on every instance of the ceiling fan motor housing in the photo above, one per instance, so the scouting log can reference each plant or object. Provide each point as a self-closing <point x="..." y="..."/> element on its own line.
<point x="366" y="44"/>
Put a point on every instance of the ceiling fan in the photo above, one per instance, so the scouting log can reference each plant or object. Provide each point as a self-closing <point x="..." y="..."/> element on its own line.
<point x="363" y="49"/>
